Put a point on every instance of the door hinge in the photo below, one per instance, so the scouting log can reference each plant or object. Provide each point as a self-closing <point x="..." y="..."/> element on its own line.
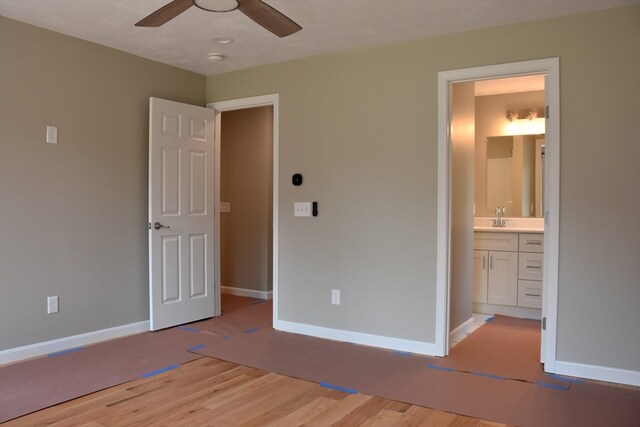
<point x="546" y="112"/>
<point x="544" y="323"/>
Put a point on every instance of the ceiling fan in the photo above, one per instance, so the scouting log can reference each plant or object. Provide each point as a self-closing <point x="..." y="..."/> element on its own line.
<point x="257" y="10"/>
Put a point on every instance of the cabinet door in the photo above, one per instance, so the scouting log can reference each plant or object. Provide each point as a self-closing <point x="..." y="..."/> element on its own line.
<point x="503" y="278"/>
<point x="480" y="264"/>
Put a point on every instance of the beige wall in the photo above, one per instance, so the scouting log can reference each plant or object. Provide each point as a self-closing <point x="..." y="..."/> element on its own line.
<point x="491" y="120"/>
<point x="362" y="128"/>
<point x="246" y="182"/>
<point x="462" y="160"/>
<point x="73" y="215"/>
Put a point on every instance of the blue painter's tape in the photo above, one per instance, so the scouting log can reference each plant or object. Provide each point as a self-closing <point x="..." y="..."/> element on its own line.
<point x="489" y="320"/>
<point x="250" y="331"/>
<point x="69" y="350"/>
<point x="337" y="387"/>
<point x="440" y="368"/>
<point x="566" y="379"/>
<point x="159" y="371"/>
<point x="226" y="338"/>
<point x="188" y="328"/>
<point x="197" y="347"/>
<point x="554" y="386"/>
<point x="402" y="353"/>
<point x="495" y="377"/>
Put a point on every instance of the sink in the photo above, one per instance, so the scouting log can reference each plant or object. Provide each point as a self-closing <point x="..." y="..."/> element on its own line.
<point x="514" y="225"/>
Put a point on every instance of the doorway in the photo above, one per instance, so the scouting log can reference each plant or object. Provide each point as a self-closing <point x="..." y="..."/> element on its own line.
<point x="495" y="133"/>
<point x="245" y="204"/>
<point x="249" y="233"/>
<point x="446" y="197"/>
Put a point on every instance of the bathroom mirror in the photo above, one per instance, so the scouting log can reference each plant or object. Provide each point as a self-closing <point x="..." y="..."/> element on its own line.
<point x="513" y="169"/>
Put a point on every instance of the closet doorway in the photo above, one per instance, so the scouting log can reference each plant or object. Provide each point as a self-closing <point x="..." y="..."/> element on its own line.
<point x="246" y="197"/>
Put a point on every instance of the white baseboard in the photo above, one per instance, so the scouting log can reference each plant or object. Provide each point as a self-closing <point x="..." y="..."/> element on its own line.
<point x="458" y="333"/>
<point x="243" y="292"/>
<point x="398" y="344"/>
<point x="600" y="373"/>
<point x="21" y="353"/>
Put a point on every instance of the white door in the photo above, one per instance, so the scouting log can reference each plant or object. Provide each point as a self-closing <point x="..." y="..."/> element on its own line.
<point x="181" y="209"/>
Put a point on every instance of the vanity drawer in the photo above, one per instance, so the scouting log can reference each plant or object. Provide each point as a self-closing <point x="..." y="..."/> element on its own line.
<point x="531" y="242"/>
<point x="530" y="266"/>
<point x="529" y="294"/>
<point x="498" y="241"/>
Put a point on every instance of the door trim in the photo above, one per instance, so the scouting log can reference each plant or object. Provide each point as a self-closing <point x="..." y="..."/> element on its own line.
<point x="241" y="104"/>
<point x="551" y="68"/>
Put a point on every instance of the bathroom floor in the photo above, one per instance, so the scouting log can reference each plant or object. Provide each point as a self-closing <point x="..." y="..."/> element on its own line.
<point x="479" y="319"/>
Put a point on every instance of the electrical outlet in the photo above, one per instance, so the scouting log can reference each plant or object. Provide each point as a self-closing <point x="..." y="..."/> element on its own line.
<point x="52" y="304"/>
<point x="335" y="296"/>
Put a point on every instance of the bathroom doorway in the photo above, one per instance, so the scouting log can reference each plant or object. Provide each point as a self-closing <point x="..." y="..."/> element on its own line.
<point x="497" y="146"/>
<point x="456" y="220"/>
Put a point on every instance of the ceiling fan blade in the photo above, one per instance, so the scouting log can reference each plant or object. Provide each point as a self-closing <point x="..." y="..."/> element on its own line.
<point x="268" y="17"/>
<point x="165" y="13"/>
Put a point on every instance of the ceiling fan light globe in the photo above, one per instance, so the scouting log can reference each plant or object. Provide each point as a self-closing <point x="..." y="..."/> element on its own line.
<point x="217" y="5"/>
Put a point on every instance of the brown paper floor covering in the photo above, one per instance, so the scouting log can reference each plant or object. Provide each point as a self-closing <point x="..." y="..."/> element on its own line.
<point x="39" y="383"/>
<point x="493" y="374"/>
<point x="504" y="383"/>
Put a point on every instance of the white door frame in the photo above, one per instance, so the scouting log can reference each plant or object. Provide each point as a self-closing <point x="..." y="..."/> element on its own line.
<point x="241" y="104"/>
<point x="551" y="68"/>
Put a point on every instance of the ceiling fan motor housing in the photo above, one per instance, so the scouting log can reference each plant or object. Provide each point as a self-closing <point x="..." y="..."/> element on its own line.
<point x="217" y="5"/>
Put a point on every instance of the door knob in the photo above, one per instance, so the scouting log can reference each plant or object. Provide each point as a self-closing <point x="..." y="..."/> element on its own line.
<point x="158" y="226"/>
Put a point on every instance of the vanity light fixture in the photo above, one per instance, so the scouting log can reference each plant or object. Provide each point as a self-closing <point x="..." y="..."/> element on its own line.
<point x="528" y="121"/>
<point x="525" y="114"/>
<point x="217" y="5"/>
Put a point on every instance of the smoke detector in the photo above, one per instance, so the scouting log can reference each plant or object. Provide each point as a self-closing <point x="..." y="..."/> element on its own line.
<point x="216" y="57"/>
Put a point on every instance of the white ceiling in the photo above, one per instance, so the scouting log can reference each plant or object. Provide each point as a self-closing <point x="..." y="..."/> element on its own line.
<point x="509" y="85"/>
<point x="328" y="25"/>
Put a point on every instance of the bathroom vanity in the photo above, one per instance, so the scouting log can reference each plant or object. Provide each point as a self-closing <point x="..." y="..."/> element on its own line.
<point x="507" y="271"/>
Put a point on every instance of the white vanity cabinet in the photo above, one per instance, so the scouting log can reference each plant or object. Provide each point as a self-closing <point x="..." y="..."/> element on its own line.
<point x="507" y="268"/>
<point x="495" y="268"/>
<point x="531" y="249"/>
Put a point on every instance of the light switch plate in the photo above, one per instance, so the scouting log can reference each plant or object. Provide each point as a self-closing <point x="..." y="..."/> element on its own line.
<point x="335" y="296"/>
<point x="225" y="207"/>
<point x="302" y="209"/>
<point x="52" y="304"/>
<point x="52" y="134"/>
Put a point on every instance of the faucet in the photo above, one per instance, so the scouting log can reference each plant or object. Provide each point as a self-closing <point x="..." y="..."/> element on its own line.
<point x="500" y="221"/>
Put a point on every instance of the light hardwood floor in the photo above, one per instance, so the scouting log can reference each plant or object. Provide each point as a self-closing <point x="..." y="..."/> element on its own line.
<point x="211" y="392"/>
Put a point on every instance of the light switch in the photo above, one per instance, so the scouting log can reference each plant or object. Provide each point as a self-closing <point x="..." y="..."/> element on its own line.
<point x="225" y="207"/>
<point x="52" y="134"/>
<point x="302" y="209"/>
